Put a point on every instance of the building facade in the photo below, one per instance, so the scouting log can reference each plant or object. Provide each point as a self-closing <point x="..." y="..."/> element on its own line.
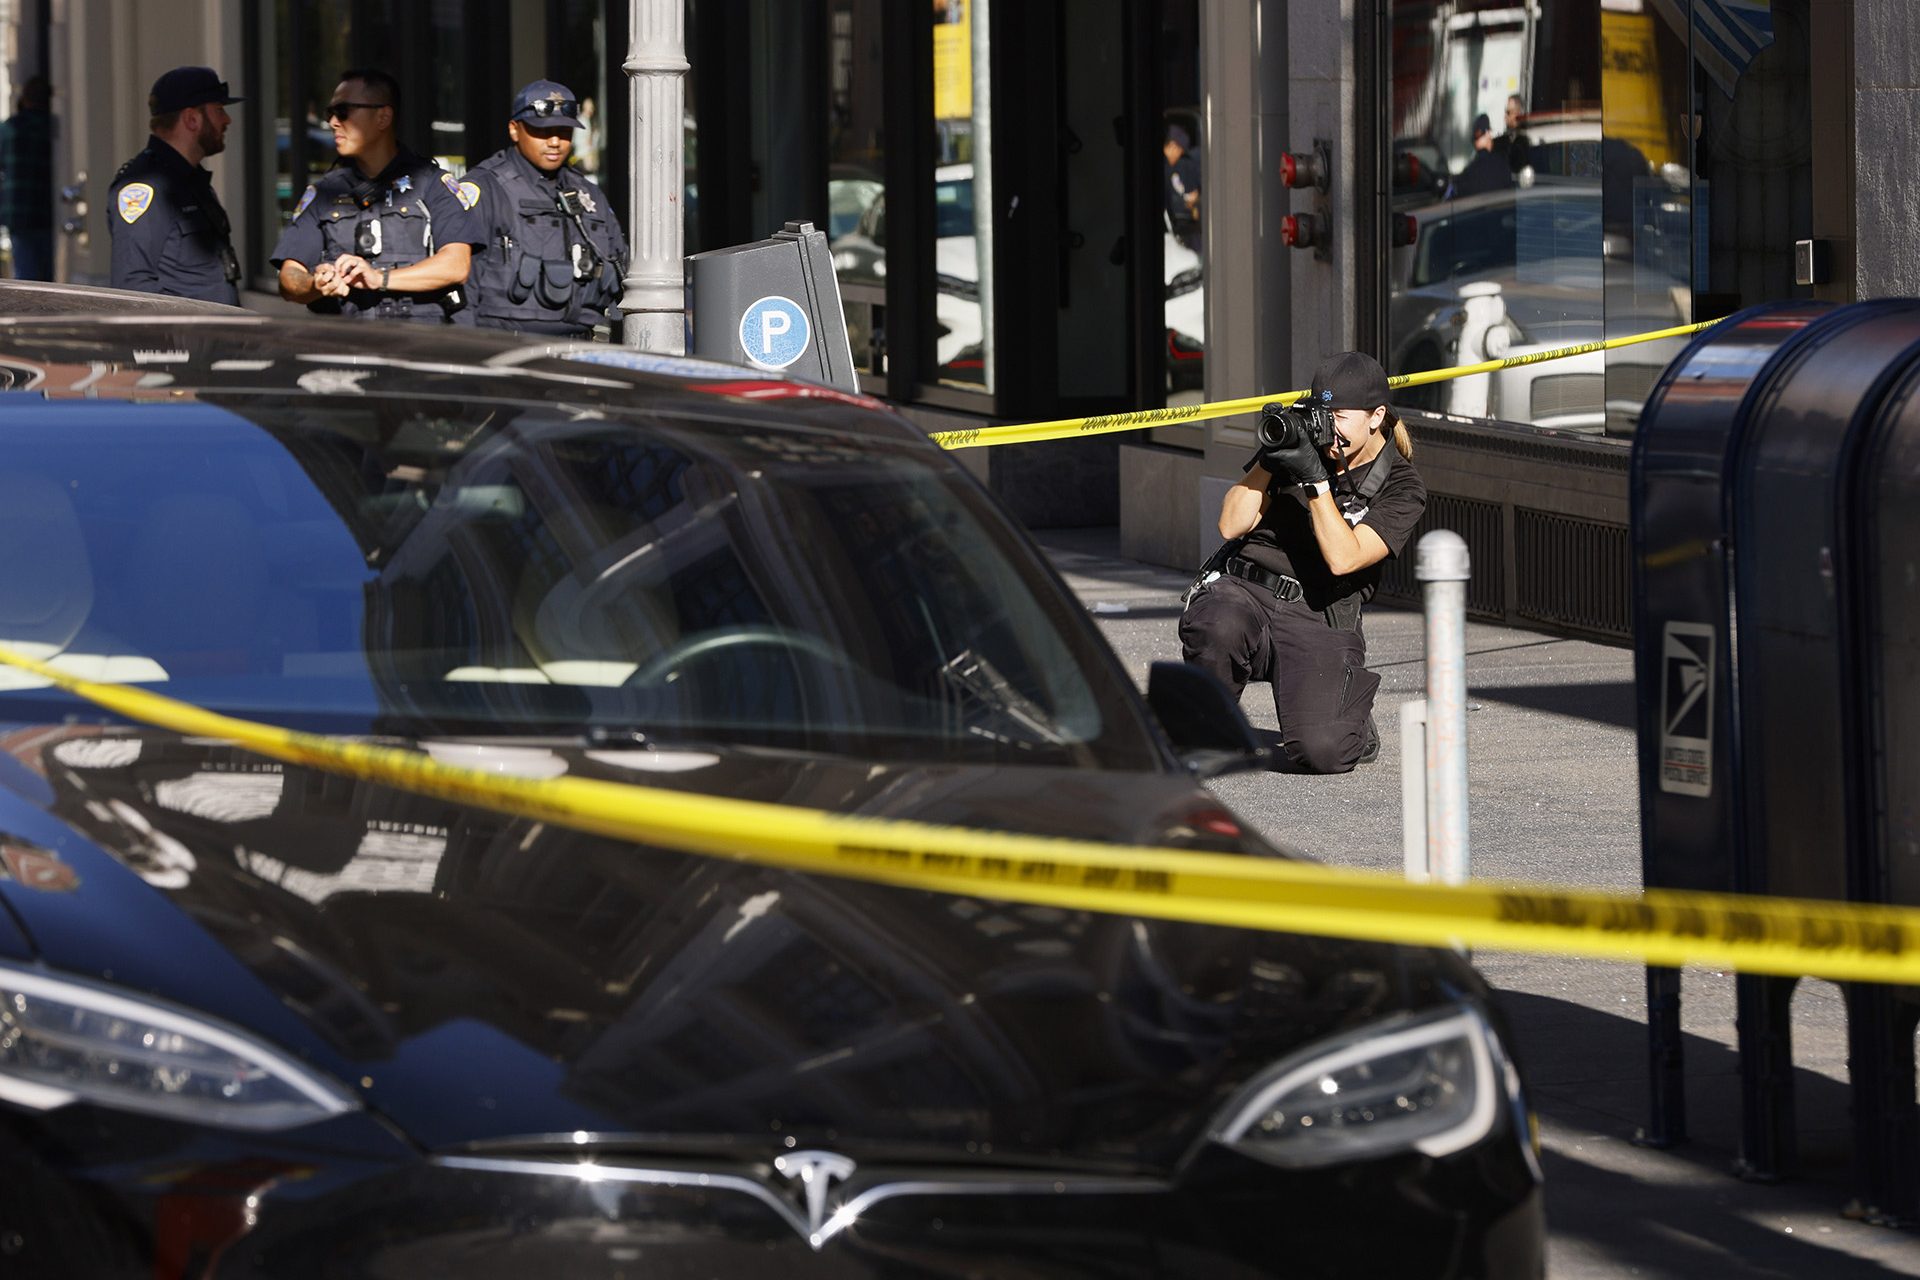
<point x="1475" y="178"/>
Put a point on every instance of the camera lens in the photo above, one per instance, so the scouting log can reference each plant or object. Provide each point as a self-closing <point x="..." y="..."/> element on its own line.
<point x="1278" y="427"/>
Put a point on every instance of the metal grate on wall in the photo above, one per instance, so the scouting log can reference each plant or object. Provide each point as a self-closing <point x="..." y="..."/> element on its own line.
<point x="1479" y="523"/>
<point x="1571" y="573"/>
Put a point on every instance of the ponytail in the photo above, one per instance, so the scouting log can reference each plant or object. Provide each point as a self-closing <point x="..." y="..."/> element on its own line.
<point x="1401" y="439"/>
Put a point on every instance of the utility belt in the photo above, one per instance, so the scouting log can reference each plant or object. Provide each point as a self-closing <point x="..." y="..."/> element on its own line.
<point x="1342" y="614"/>
<point x="1282" y="586"/>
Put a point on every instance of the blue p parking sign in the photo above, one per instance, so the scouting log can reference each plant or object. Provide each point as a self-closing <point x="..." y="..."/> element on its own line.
<point x="774" y="332"/>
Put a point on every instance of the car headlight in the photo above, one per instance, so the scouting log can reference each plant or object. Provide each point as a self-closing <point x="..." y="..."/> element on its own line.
<point x="63" y="1041"/>
<point x="1413" y="1084"/>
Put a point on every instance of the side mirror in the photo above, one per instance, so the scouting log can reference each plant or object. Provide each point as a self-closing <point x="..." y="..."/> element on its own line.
<point x="1203" y="721"/>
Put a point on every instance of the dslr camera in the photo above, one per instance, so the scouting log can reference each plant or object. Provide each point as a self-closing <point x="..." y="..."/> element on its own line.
<point x="1285" y="426"/>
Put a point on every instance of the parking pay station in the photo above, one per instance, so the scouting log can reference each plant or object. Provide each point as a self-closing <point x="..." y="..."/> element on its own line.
<point x="772" y="304"/>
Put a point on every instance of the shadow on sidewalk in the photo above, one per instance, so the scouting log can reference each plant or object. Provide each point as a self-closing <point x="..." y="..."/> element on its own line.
<point x="1609" y="702"/>
<point x="1681" y="1212"/>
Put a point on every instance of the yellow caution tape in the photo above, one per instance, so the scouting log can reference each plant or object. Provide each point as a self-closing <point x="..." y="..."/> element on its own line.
<point x="1758" y="935"/>
<point x="1101" y="424"/>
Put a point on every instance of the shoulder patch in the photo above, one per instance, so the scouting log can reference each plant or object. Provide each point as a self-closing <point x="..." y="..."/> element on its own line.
<point x="135" y="199"/>
<point x="305" y="200"/>
<point x="453" y="187"/>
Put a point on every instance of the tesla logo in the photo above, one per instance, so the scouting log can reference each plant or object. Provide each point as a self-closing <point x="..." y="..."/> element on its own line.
<point x="816" y="1172"/>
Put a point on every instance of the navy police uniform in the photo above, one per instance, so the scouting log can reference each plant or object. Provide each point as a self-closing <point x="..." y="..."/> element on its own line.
<point x="555" y="256"/>
<point x="170" y="234"/>
<point x="394" y="219"/>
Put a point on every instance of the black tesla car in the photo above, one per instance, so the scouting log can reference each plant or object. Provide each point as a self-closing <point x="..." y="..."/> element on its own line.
<point x="259" y="1020"/>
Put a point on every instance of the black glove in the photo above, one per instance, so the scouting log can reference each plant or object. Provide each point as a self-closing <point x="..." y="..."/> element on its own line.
<point x="1296" y="462"/>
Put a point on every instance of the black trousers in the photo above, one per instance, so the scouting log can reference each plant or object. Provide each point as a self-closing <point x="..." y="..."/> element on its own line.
<point x="1322" y="690"/>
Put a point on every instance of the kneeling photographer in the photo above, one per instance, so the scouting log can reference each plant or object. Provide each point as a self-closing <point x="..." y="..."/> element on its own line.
<point x="1323" y="503"/>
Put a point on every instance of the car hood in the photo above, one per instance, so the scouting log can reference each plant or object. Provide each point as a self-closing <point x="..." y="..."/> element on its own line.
<point x="485" y="981"/>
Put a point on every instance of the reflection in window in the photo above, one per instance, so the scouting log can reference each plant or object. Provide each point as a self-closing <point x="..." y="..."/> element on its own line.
<point x="962" y="195"/>
<point x="856" y="199"/>
<point x="1497" y="173"/>
<point x="312" y="44"/>
<point x="1183" y="177"/>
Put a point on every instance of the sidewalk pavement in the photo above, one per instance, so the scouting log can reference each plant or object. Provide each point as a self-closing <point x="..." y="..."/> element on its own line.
<point x="1553" y="798"/>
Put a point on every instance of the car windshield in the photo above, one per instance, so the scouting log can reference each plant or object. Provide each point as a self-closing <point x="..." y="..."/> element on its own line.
<point x="1539" y="239"/>
<point x="953" y="207"/>
<point x="409" y="567"/>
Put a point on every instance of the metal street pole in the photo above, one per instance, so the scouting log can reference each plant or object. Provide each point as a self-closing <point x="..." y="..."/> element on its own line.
<point x="655" y="299"/>
<point x="1442" y="565"/>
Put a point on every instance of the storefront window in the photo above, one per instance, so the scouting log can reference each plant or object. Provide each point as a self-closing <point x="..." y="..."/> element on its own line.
<point x="311" y="43"/>
<point x="577" y="58"/>
<point x="1182" y="175"/>
<point x="1643" y="164"/>
<point x="962" y="195"/>
<point x="856" y="189"/>
<point x="1497" y="168"/>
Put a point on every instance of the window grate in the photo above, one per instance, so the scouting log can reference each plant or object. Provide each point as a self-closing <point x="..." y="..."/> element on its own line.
<point x="1480" y="524"/>
<point x="1571" y="572"/>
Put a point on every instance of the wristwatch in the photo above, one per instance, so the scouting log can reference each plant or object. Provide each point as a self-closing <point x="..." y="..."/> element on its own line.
<point x="386" y="273"/>
<point x="1318" y="489"/>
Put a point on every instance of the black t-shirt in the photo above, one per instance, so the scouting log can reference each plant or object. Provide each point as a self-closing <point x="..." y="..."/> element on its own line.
<point x="1283" y="541"/>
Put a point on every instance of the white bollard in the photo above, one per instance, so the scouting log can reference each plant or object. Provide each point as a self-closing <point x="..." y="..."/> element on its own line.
<point x="1413" y="790"/>
<point x="1442" y="565"/>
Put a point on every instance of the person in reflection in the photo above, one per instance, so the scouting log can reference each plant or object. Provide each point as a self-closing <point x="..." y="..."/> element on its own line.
<point x="1180" y="176"/>
<point x="1487" y="171"/>
<point x="1308" y="532"/>
<point x="26" y="181"/>
<point x="1514" y="146"/>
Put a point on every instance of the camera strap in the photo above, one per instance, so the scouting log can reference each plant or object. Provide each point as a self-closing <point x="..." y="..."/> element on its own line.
<point x="1356" y="500"/>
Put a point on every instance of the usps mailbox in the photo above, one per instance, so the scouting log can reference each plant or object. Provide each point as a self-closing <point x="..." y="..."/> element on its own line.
<point x="773" y="304"/>
<point x="1796" y="587"/>
<point x="1880" y="525"/>
<point x="1691" y="807"/>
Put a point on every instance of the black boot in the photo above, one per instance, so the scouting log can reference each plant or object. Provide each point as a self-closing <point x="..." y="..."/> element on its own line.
<point x="1370" y="752"/>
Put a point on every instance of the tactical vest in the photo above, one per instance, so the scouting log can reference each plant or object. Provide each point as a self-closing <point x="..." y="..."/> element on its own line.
<point x="389" y="225"/>
<point x="546" y="265"/>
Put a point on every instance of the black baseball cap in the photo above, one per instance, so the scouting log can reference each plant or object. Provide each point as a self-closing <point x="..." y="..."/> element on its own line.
<point x="1481" y="124"/>
<point x="1350" y="380"/>
<point x="185" y="87"/>
<point x="547" y="103"/>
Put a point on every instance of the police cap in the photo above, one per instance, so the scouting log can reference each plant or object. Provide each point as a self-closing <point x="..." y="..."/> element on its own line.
<point x="185" y="87"/>
<point x="547" y="104"/>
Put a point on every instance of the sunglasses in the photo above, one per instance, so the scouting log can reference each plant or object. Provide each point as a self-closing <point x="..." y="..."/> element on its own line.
<point x="341" y="110"/>
<point x="546" y="107"/>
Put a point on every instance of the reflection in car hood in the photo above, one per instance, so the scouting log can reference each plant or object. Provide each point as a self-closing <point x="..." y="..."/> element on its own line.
<point x="484" y="979"/>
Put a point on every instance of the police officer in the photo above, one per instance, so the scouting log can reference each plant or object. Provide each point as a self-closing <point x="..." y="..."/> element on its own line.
<point x="1181" y="192"/>
<point x="385" y="234"/>
<point x="554" y="257"/>
<point x="169" y="233"/>
<point x="1308" y="534"/>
